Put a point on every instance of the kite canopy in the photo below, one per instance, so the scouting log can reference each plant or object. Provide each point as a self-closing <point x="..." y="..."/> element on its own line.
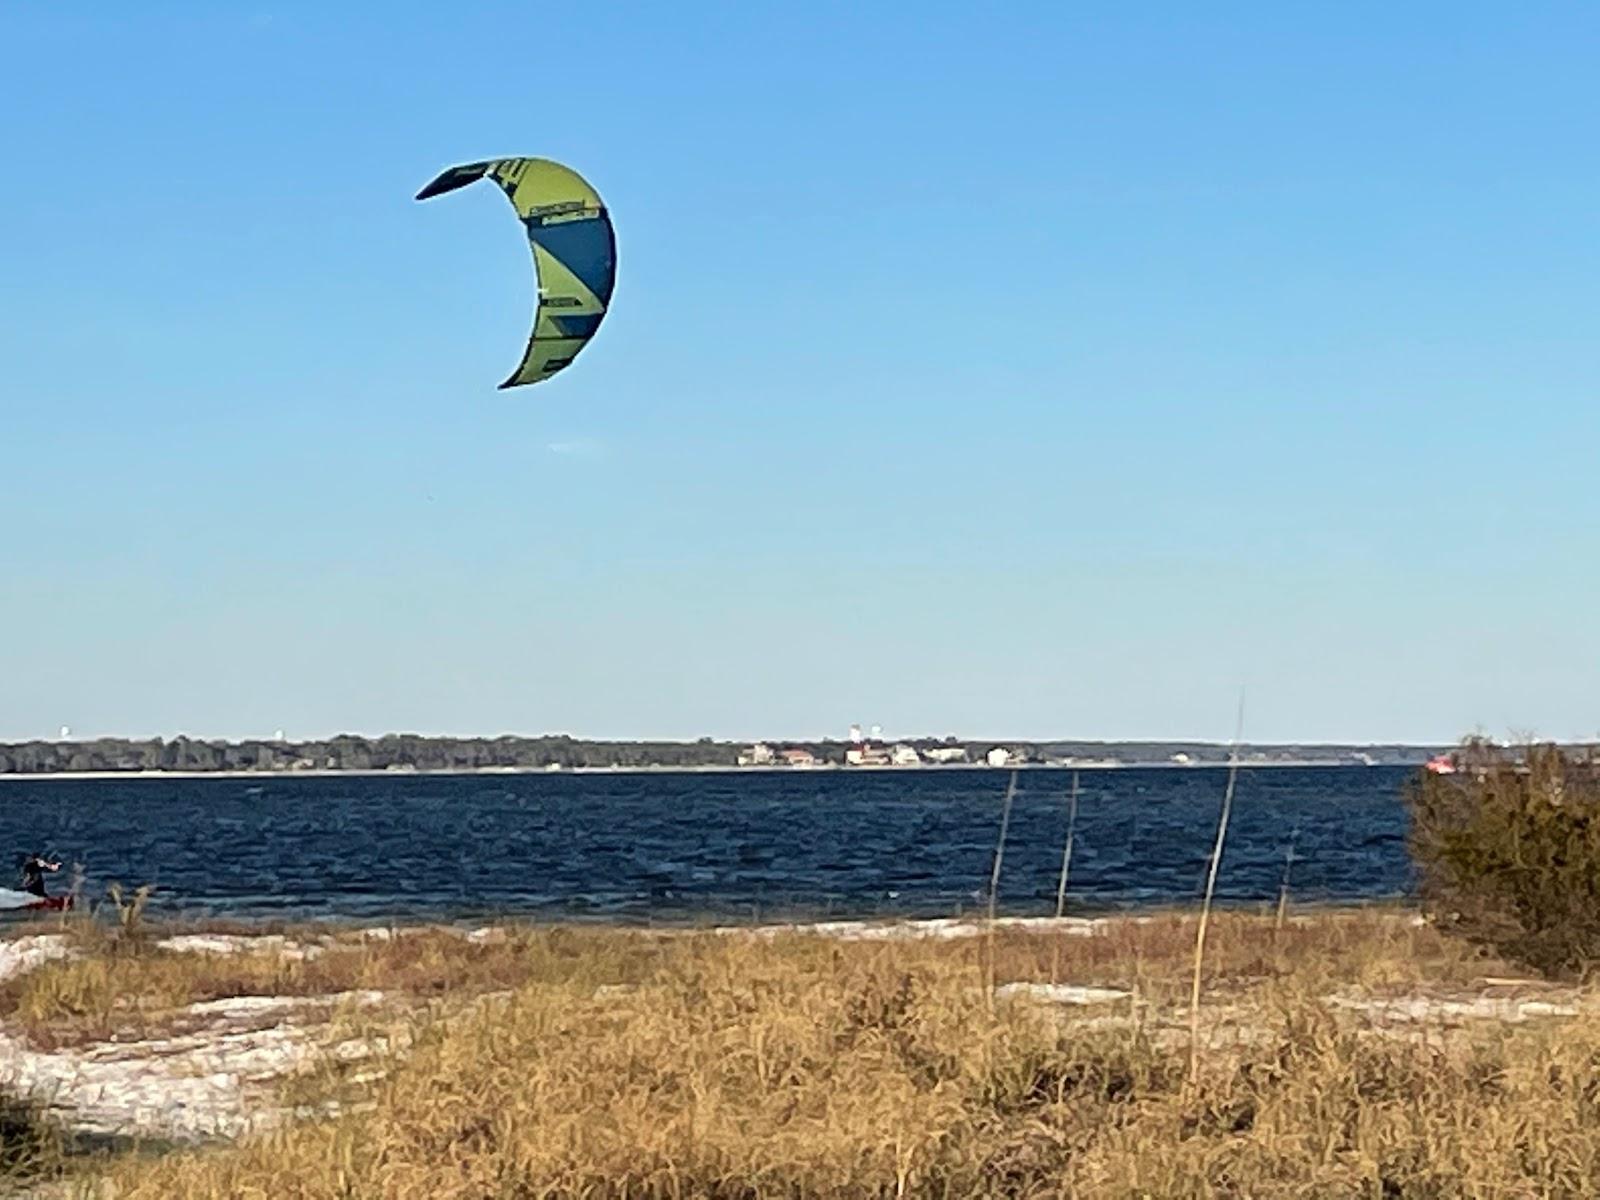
<point x="574" y="254"/>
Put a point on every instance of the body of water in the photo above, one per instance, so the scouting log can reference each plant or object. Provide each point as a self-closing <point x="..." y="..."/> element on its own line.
<point x="671" y="847"/>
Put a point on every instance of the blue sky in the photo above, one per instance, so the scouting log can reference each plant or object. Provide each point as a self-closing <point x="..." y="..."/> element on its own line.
<point x="1023" y="370"/>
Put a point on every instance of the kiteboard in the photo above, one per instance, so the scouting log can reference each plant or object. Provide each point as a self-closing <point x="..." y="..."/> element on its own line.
<point x="13" y="900"/>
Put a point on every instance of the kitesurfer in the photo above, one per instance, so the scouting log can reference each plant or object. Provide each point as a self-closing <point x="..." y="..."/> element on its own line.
<point x="33" y="869"/>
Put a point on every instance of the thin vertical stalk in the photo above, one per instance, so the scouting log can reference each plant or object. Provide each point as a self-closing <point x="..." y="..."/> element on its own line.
<point x="1205" y="907"/>
<point x="1283" y="888"/>
<point x="1061" y="886"/>
<point x="1000" y="846"/>
<point x="1066" y="852"/>
<point x="994" y="885"/>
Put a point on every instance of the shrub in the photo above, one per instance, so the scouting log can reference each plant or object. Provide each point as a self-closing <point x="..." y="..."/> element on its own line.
<point x="1507" y="851"/>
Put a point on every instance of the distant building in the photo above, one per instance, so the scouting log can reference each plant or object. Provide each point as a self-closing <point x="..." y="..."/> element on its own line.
<point x="759" y="755"/>
<point x="798" y="758"/>
<point x="998" y="757"/>
<point x="905" y="756"/>
<point x="1182" y="759"/>
<point x="946" y="754"/>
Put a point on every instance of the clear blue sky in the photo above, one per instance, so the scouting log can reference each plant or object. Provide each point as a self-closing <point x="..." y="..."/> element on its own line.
<point x="1018" y="369"/>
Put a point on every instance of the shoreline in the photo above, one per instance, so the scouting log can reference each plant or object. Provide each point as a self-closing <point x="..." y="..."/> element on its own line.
<point x="1081" y="919"/>
<point x="821" y="768"/>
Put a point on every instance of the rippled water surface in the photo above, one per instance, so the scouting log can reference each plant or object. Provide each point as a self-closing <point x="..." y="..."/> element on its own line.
<point x="721" y="846"/>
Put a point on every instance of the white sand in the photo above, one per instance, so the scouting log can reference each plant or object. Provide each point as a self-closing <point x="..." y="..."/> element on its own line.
<point x="198" y="1085"/>
<point x="1436" y="1009"/>
<point x="233" y="943"/>
<point x="1060" y="993"/>
<point x="938" y="927"/>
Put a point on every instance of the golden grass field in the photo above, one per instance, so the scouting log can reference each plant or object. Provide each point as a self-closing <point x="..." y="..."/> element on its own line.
<point x="561" y="1062"/>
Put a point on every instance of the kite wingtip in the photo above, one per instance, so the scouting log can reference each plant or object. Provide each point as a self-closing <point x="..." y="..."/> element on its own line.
<point x="454" y="177"/>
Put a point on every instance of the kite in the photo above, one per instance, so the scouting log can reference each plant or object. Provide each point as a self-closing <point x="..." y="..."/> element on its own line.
<point x="574" y="254"/>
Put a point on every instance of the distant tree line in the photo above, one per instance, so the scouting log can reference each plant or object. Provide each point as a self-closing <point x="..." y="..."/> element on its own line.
<point x="419" y="753"/>
<point x="354" y="753"/>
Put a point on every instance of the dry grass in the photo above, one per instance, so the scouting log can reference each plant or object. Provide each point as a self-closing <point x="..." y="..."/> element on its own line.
<point x="713" y="1066"/>
<point x="130" y="987"/>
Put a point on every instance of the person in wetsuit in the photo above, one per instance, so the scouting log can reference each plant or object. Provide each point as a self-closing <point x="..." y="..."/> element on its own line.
<point x="33" y="869"/>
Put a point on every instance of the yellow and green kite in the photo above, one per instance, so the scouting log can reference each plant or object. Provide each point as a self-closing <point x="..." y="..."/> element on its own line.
<point x="574" y="254"/>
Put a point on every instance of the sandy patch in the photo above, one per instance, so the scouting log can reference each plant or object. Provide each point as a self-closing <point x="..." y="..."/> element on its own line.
<point x="940" y="928"/>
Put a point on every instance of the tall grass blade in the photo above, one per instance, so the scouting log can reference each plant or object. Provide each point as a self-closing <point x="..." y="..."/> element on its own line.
<point x="1283" y="887"/>
<point x="1000" y="846"/>
<point x="1211" y="884"/>
<point x="1061" y="885"/>
<point x="994" y="886"/>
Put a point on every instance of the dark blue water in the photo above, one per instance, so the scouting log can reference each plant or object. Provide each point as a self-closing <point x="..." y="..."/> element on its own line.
<point x="675" y="847"/>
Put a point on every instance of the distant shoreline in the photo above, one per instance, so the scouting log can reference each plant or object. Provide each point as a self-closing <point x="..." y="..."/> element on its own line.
<point x="351" y="754"/>
<point x="820" y="768"/>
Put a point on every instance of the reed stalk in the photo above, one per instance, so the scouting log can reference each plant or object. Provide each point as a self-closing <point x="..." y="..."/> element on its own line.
<point x="1205" y="906"/>
<point x="1283" y="887"/>
<point x="1061" y="885"/>
<point x="994" y="881"/>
